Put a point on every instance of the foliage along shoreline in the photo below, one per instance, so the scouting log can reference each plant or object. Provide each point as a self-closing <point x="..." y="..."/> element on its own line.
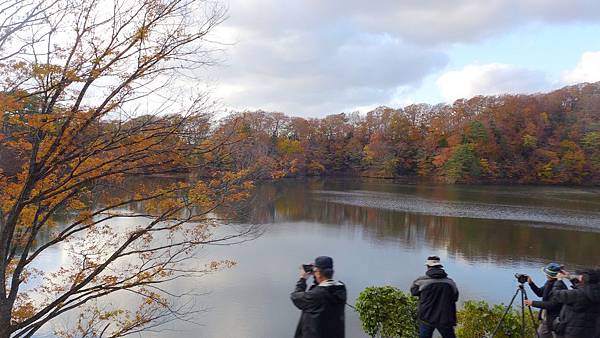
<point x="539" y="139"/>
<point x="386" y="311"/>
<point x="550" y="139"/>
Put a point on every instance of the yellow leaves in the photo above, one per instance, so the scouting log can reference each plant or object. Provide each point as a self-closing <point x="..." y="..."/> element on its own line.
<point x="21" y="145"/>
<point x="85" y="217"/>
<point x="110" y="280"/>
<point x="238" y="196"/>
<point x="288" y="147"/>
<point x="37" y="121"/>
<point x="167" y="200"/>
<point x="71" y="74"/>
<point x="76" y="204"/>
<point x="223" y="264"/>
<point x="200" y="195"/>
<point x="9" y="103"/>
<point x="23" y="312"/>
<point x="142" y="33"/>
<point x="43" y="70"/>
<point x="247" y="185"/>
<point x="27" y="216"/>
<point x="277" y="174"/>
<point x="108" y="315"/>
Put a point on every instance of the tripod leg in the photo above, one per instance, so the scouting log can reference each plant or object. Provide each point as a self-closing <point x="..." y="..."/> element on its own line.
<point x="505" y="313"/>
<point x="522" y="310"/>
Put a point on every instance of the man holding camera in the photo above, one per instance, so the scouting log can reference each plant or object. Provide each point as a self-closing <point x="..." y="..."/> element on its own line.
<point x="550" y="308"/>
<point x="438" y="295"/>
<point x="322" y="304"/>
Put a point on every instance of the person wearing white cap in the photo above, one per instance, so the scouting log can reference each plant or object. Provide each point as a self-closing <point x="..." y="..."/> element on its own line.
<point x="438" y="295"/>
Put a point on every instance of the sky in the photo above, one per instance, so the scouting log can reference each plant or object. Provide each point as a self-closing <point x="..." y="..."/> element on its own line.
<point x="313" y="58"/>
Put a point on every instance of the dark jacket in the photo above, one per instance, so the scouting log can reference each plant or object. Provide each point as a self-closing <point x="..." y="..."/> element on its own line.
<point x="437" y="298"/>
<point x="580" y="311"/>
<point x="597" y="327"/>
<point x="322" y="309"/>
<point x="552" y="307"/>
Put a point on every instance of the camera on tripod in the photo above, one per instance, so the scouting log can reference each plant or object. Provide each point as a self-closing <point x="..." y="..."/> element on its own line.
<point x="521" y="278"/>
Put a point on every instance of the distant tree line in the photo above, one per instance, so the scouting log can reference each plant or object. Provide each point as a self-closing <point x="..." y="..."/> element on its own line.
<point x="551" y="138"/>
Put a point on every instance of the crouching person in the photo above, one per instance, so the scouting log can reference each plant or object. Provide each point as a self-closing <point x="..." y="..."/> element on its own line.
<point x="322" y="304"/>
<point x="437" y="300"/>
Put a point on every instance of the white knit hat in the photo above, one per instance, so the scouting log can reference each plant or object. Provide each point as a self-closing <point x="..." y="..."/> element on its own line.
<point x="433" y="261"/>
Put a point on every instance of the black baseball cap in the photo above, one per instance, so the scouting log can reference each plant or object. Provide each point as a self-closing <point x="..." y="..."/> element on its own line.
<point x="324" y="262"/>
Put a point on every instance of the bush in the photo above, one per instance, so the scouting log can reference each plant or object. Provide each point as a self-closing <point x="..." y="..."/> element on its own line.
<point x="478" y="319"/>
<point x="387" y="312"/>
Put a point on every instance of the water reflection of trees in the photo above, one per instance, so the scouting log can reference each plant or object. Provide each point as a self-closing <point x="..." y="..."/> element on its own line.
<point x="472" y="239"/>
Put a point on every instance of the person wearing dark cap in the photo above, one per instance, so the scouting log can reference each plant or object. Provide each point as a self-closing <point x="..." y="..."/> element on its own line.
<point x="438" y="295"/>
<point x="550" y="308"/>
<point x="322" y="304"/>
<point x="581" y="304"/>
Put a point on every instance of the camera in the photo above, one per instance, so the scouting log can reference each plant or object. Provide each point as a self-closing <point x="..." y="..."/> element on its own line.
<point x="521" y="277"/>
<point x="308" y="267"/>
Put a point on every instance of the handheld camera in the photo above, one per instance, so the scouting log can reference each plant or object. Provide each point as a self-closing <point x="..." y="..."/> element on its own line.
<point x="308" y="267"/>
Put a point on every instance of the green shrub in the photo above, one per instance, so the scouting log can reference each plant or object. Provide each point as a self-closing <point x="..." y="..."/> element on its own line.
<point x="387" y="312"/>
<point x="478" y="319"/>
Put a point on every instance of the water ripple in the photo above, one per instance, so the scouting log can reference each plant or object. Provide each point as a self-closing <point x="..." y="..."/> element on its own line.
<point x="420" y="205"/>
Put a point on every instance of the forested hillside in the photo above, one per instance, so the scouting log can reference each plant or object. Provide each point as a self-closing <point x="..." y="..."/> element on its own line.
<point x="551" y="138"/>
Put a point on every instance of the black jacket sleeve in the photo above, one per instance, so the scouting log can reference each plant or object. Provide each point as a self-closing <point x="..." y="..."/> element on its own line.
<point x="302" y="299"/>
<point x="537" y="290"/>
<point x="550" y="304"/>
<point x="565" y="296"/>
<point x="540" y="304"/>
<point x="414" y="289"/>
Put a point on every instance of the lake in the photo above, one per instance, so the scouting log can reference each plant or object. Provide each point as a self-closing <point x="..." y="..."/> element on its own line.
<point x="379" y="233"/>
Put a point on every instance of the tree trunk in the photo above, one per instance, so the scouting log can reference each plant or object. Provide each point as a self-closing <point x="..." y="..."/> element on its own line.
<point x="4" y="321"/>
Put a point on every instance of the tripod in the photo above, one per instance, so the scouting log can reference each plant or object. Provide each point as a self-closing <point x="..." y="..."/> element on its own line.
<point x="520" y="289"/>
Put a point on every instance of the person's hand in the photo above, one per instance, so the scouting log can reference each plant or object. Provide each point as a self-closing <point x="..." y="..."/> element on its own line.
<point x="529" y="280"/>
<point x="528" y="302"/>
<point x="304" y="274"/>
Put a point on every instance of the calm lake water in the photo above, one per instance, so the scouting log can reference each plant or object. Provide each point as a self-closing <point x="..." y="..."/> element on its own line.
<point x="379" y="233"/>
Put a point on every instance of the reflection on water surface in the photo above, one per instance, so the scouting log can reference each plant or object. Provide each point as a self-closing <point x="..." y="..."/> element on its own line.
<point x="380" y="232"/>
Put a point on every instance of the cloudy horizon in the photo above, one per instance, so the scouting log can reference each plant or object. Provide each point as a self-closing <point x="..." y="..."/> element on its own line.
<point x="310" y="58"/>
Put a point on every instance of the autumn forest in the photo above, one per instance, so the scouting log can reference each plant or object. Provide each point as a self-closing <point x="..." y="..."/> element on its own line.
<point x="551" y="138"/>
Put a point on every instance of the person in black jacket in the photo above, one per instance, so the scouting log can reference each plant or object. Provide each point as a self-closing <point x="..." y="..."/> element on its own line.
<point x="581" y="305"/>
<point x="550" y="309"/>
<point x="438" y="295"/>
<point x="322" y="305"/>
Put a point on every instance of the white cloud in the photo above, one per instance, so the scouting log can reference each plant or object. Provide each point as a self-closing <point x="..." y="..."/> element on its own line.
<point x="321" y="72"/>
<point x="421" y="21"/>
<point x="316" y="57"/>
<point x="587" y="69"/>
<point x="490" y="79"/>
